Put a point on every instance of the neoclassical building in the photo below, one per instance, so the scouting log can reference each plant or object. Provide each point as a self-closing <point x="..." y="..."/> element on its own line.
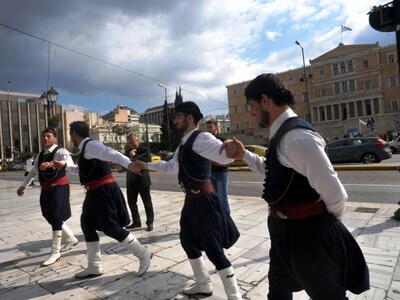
<point x="346" y="86"/>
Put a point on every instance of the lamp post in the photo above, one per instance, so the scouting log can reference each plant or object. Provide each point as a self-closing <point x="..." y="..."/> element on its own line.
<point x="167" y="116"/>
<point x="308" y="117"/>
<point x="48" y="99"/>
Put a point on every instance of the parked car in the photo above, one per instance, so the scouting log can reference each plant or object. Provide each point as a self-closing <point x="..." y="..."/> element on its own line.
<point x="358" y="149"/>
<point x="395" y="145"/>
<point x="257" y="149"/>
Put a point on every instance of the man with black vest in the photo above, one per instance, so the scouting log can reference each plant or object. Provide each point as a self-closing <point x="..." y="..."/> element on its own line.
<point x="205" y="225"/>
<point x="104" y="208"/>
<point x="311" y="249"/>
<point x="54" y="196"/>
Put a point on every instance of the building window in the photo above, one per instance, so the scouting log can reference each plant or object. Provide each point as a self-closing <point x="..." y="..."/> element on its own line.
<point x="350" y="65"/>
<point x="365" y="63"/>
<point x="336" y="111"/>
<point x="367" y="84"/>
<point x="390" y="58"/>
<point x="368" y="107"/>
<point x="290" y="80"/>
<point x="235" y="109"/>
<point x="342" y="67"/>
<point x="323" y="93"/>
<point x="237" y="126"/>
<point x="344" y="87"/>
<point x="396" y="105"/>
<point x="359" y="108"/>
<point x="234" y="92"/>
<point x="392" y="81"/>
<point x="351" y="110"/>
<point x="343" y="108"/>
<point x="337" y="88"/>
<point x="352" y="85"/>
<point x="321" y="73"/>
<point x="329" y="112"/>
<point x="315" y="114"/>
<point x="322" y="113"/>
<point x="376" y="106"/>
<point x="247" y="124"/>
<point x="335" y="69"/>
<point x="247" y="107"/>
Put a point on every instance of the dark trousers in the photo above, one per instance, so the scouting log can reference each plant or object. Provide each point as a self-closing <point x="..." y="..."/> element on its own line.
<point x="133" y="190"/>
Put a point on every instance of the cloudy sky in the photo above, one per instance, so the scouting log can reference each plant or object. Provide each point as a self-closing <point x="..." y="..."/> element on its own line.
<point x="199" y="45"/>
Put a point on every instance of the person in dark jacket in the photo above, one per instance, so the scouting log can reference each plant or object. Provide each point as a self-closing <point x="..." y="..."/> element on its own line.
<point x="139" y="184"/>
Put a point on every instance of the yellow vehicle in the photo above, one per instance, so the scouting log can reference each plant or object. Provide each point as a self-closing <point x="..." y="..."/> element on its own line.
<point x="257" y="149"/>
<point x="155" y="158"/>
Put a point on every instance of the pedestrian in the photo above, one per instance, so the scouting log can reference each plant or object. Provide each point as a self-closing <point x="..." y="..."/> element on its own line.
<point x="54" y="195"/>
<point x="28" y="167"/>
<point x="311" y="249"/>
<point x="205" y="225"/>
<point x="104" y="208"/>
<point x="219" y="173"/>
<point x="139" y="184"/>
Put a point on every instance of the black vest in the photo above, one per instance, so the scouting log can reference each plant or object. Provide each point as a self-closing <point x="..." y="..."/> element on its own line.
<point x="91" y="169"/>
<point x="49" y="174"/>
<point x="284" y="185"/>
<point x="192" y="166"/>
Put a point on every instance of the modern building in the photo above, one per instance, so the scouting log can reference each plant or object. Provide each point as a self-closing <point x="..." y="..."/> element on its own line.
<point x="346" y="86"/>
<point x="154" y="115"/>
<point x="122" y="115"/>
<point x="77" y="114"/>
<point x="22" y="118"/>
<point x="222" y="121"/>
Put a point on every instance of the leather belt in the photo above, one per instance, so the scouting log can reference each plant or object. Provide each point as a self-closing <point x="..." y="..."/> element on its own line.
<point x="297" y="211"/>
<point x="198" y="188"/>
<point x="95" y="184"/>
<point x="47" y="185"/>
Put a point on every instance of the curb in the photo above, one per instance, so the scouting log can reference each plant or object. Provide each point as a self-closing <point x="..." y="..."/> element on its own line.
<point x="346" y="167"/>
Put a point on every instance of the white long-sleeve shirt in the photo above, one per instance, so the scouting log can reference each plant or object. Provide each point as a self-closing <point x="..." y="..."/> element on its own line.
<point x="96" y="149"/>
<point x="304" y="151"/>
<point x="60" y="155"/>
<point x="205" y="145"/>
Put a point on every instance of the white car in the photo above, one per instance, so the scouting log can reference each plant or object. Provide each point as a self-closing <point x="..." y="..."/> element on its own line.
<point x="395" y="145"/>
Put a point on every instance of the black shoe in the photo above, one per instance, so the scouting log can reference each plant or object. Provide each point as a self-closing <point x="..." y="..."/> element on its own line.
<point x="133" y="226"/>
<point x="149" y="227"/>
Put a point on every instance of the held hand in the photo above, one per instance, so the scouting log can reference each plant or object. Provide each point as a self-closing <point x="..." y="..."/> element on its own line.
<point x="234" y="149"/>
<point x="45" y="166"/>
<point x="58" y="164"/>
<point x="133" y="153"/>
<point x="137" y="167"/>
<point x="20" y="191"/>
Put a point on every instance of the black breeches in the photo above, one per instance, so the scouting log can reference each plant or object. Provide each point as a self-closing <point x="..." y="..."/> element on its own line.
<point x="90" y="233"/>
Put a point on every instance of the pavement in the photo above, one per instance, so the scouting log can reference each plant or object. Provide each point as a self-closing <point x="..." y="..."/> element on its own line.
<point x="392" y="166"/>
<point x="25" y="243"/>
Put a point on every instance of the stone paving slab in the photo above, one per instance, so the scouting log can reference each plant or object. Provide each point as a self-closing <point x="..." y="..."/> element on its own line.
<point x="25" y="243"/>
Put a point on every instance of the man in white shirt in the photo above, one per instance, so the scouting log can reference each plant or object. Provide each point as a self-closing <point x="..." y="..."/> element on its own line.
<point x="310" y="247"/>
<point x="205" y="224"/>
<point x="104" y="208"/>
<point x="54" y="196"/>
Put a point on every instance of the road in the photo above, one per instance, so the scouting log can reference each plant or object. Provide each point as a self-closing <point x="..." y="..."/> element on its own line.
<point x="362" y="186"/>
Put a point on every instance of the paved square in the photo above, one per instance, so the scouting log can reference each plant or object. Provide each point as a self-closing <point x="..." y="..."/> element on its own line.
<point x="25" y="243"/>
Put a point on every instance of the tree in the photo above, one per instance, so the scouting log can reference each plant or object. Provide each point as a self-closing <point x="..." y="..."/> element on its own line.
<point x="178" y="97"/>
<point x="119" y="131"/>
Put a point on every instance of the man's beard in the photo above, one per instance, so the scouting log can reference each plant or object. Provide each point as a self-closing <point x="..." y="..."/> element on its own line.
<point x="183" y="127"/>
<point x="264" y="120"/>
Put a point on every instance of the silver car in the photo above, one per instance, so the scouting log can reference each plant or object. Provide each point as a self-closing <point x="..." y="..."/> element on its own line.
<point x="358" y="149"/>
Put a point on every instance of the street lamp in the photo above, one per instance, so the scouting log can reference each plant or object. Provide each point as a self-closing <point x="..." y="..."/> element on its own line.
<point x="48" y="99"/>
<point x="308" y="117"/>
<point x="167" y="116"/>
